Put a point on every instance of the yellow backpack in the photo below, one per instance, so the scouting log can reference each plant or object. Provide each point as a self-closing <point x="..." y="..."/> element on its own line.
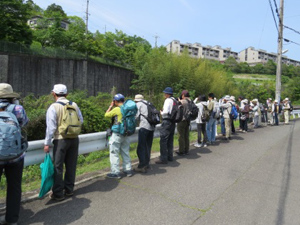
<point x="70" y="126"/>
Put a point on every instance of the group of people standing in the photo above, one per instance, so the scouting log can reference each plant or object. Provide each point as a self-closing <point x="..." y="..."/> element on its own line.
<point x="65" y="148"/>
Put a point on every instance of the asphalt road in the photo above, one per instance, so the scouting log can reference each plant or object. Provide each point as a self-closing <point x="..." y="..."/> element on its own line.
<point x="253" y="179"/>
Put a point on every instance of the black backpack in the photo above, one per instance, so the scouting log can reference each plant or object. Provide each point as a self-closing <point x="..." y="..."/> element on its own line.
<point x="291" y="107"/>
<point x="193" y="111"/>
<point x="153" y="114"/>
<point x="177" y="111"/>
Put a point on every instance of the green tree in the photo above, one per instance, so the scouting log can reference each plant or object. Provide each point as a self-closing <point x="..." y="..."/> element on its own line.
<point x="232" y="65"/>
<point x="13" y="24"/>
<point x="34" y="9"/>
<point x="54" y="11"/>
<point x="270" y="67"/>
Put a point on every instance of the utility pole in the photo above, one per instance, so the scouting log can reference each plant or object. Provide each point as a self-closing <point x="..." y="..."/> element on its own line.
<point x="279" y="53"/>
<point x="156" y="40"/>
<point x="86" y="25"/>
<point x="86" y="17"/>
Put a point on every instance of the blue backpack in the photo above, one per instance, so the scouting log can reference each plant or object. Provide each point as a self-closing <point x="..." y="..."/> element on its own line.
<point x="234" y="113"/>
<point x="128" y="125"/>
<point x="11" y="146"/>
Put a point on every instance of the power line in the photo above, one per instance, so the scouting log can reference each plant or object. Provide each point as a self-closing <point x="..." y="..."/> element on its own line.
<point x="276" y="9"/>
<point x="287" y="40"/>
<point x="273" y="15"/>
<point x="291" y="29"/>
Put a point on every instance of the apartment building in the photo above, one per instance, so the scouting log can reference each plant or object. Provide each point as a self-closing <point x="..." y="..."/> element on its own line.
<point x="253" y="57"/>
<point x="196" y="50"/>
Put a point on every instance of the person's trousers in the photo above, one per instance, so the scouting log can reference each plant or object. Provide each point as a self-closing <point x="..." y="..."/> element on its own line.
<point x="276" y="118"/>
<point x="144" y="147"/>
<point x="232" y="126"/>
<point x="201" y="129"/>
<point x="244" y="124"/>
<point x="65" y="151"/>
<point x="222" y="122"/>
<point x="270" y="118"/>
<point x="228" y="127"/>
<point x="167" y="140"/>
<point x="286" y="116"/>
<point x="183" y="136"/>
<point x="13" y="173"/>
<point x="119" y="144"/>
<point x="211" y="130"/>
<point x="256" y="121"/>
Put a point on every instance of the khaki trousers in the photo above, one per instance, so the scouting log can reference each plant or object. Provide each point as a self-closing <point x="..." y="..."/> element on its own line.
<point x="228" y="127"/>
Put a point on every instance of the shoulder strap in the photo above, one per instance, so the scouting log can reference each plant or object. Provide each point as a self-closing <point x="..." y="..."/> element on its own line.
<point x="10" y="108"/>
<point x="61" y="103"/>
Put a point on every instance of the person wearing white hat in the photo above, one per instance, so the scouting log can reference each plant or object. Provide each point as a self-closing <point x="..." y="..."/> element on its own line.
<point x="65" y="148"/>
<point x="255" y="110"/>
<point x="275" y="111"/>
<point x="14" y="167"/>
<point x="269" y="111"/>
<point x="146" y="133"/>
<point x="244" y="109"/>
<point x="286" y="109"/>
<point x="227" y="107"/>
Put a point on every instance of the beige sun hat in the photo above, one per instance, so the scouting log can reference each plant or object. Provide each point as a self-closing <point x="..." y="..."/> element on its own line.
<point x="6" y="91"/>
<point x="138" y="98"/>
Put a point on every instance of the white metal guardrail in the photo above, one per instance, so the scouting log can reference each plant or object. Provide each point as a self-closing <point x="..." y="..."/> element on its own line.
<point x="295" y="112"/>
<point x="87" y="143"/>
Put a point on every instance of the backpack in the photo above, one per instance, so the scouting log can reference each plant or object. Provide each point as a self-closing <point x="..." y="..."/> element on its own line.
<point x="11" y="146"/>
<point x="205" y="114"/>
<point x="216" y="111"/>
<point x="233" y="114"/>
<point x="192" y="112"/>
<point x="291" y="107"/>
<point x="177" y="111"/>
<point x="128" y="125"/>
<point x="70" y="126"/>
<point x="153" y="116"/>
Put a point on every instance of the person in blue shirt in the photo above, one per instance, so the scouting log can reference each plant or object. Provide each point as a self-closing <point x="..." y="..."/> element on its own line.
<point x="13" y="168"/>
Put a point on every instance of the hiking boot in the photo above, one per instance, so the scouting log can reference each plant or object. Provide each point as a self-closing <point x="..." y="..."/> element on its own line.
<point x="128" y="173"/>
<point x="113" y="176"/>
<point x="141" y="170"/>
<point x="69" y="194"/>
<point x="161" y="162"/>
<point x="56" y="198"/>
<point x="179" y="153"/>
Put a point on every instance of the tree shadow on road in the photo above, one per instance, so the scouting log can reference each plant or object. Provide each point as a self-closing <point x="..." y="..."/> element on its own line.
<point x="60" y="213"/>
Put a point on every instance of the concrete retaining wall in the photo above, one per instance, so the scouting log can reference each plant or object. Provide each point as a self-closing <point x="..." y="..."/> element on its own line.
<point x="37" y="75"/>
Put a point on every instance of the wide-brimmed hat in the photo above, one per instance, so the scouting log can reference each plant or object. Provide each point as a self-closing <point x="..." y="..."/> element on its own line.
<point x="286" y="99"/>
<point x="60" y="89"/>
<point x="254" y="100"/>
<point x="138" y="98"/>
<point x="6" y="91"/>
<point x="232" y="98"/>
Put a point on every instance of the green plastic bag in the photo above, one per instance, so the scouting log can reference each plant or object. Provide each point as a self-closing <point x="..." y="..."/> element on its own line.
<point x="47" y="173"/>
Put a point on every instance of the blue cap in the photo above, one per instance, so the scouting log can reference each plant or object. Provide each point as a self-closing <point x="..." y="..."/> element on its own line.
<point x="118" y="97"/>
<point x="168" y="90"/>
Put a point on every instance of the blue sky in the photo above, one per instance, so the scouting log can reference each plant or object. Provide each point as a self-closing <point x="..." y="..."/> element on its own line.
<point x="232" y="23"/>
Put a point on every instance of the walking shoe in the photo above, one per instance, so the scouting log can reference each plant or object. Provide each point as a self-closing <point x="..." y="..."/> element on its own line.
<point x="161" y="162"/>
<point x="204" y="145"/>
<point x="113" y="175"/>
<point x="197" y="145"/>
<point x="141" y="170"/>
<point x="128" y="173"/>
<point x="69" y="194"/>
<point x="149" y="167"/>
<point x="179" y="153"/>
<point x="53" y="197"/>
